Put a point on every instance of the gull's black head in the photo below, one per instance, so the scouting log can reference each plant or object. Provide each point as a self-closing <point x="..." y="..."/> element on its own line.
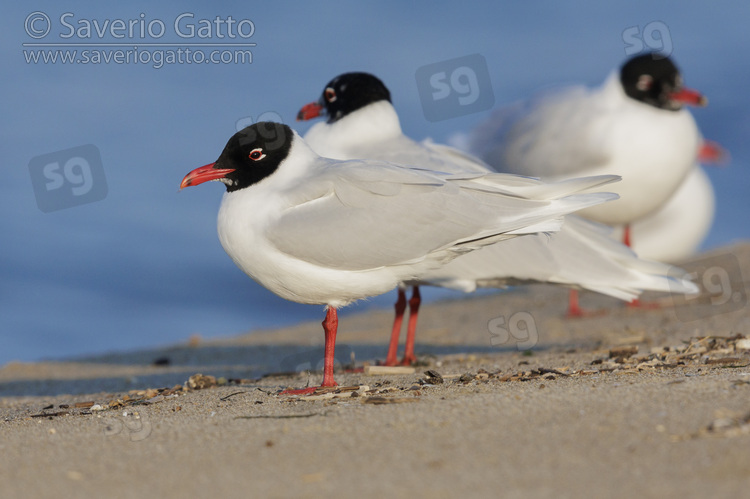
<point x="656" y="81"/>
<point x="345" y="94"/>
<point x="251" y="155"/>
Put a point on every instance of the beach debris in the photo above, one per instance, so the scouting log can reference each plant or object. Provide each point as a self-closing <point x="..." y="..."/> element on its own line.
<point x="50" y="415"/>
<point x="283" y="416"/>
<point x="623" y="352"/>
<point x="388" y="389"/>
<point x="147" y="394"/>
<point x="227" y="397"/>
<point x="334" y="392"/>
<point x="433" y="377"/>
<point x="705" y="350"/>
<point x="134" y="397"/>
<point x="266" y="391"/>
<point x="696" y="357"/>
<point x="154" y="400"/>
<point x="388" y="400"/>
<point x="729" y="361"/>
<point x="200" y="381"/>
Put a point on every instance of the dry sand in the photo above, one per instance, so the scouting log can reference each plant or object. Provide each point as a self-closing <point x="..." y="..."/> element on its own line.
<point x="597" y="408"/>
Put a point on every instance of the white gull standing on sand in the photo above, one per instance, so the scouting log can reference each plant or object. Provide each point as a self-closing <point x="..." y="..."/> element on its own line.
<point x="321" y="231"/>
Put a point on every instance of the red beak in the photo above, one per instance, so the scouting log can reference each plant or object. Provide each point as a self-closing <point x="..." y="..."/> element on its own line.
<point x="204" y="174"/>
<point x="690" y="97"/>
<point x="309" y="111"/>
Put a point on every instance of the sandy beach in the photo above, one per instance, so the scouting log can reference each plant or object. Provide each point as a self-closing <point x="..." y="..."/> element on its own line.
<point x="510" y="399"/>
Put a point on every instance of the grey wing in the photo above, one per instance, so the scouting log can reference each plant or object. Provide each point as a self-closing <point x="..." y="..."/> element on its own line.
<point x="374" y="215"/>
<point x="553" y="135"/>
<point x="463" y="160"/>
<point x="363" y="222"/>
<point x="427" y="155"/>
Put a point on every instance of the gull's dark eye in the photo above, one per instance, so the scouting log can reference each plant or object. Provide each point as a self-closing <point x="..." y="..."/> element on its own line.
<point x="330" y="94"/>
<point x="644" y="82"/>
<point x="256" y="154"/>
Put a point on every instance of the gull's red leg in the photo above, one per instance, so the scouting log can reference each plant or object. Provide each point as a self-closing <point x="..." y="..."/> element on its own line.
<point x="626" y="236"/>
<point x="400" y="307"/>
<point x="330" y="326"/>
<point x="411" y="332"/>
<point x="574" y="308"/>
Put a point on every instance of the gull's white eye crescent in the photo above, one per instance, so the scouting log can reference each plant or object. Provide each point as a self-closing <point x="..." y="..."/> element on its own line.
<point x="256" y="154"/>
<point x="330" y="94"/>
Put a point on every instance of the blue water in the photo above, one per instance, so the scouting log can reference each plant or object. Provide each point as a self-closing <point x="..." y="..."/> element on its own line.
<point x="142" y="267"/>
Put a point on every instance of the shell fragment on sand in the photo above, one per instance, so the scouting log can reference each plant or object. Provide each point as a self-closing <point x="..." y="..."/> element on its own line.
<point x="385" y="370"/>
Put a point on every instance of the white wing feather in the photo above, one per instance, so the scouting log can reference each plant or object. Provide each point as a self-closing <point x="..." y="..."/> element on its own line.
<point x="582" y="254"/>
